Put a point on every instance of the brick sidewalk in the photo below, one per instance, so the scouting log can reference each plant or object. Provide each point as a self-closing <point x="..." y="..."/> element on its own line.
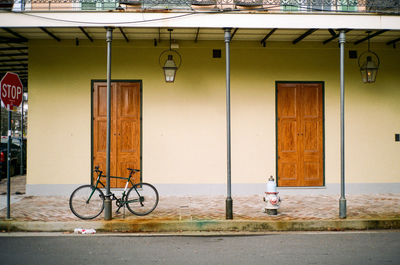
<point x="293" y="207"/>
<point x="317" y="207"/>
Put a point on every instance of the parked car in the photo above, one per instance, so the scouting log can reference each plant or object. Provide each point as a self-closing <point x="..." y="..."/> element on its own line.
<point x="15" y="163"/>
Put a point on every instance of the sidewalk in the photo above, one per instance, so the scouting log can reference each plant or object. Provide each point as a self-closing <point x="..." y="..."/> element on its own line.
<point x="202" y="213"/>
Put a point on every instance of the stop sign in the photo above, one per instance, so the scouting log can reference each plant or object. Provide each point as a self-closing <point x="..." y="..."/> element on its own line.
<point x="11" y="90"/>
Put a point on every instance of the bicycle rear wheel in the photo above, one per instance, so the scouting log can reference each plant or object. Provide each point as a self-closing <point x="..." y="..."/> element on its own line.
<point x="142" y="199"/>
<point x="86" y="202"/>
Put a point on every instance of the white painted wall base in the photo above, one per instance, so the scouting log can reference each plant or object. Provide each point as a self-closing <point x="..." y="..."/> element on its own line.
<point x="237" y="189"/>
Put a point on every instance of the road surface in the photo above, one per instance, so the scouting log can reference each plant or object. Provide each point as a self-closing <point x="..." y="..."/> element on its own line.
<point x="374" y="247"/>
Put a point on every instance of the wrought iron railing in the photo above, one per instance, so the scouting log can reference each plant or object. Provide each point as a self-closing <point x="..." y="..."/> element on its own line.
<point x="344" y="6"/>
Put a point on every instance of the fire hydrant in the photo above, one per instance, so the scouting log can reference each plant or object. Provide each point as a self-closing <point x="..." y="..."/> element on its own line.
<point x="271" y="198"/>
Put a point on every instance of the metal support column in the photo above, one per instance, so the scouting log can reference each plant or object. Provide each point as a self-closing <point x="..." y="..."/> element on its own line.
<point x="21" y="172"/>
<point x="9" y="165"/>
<point x="342" y="200"/>
<point x="107" y="200"/>
<point x="229" y="201"/>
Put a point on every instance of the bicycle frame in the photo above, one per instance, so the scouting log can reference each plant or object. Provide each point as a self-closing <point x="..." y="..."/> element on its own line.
<point x="119" y="201"/>
<point x="141" y="198"/>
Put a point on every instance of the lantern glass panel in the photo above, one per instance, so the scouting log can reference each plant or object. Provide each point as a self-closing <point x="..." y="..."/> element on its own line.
<point x="170" y="69"/>
<point x="369" y="71"/>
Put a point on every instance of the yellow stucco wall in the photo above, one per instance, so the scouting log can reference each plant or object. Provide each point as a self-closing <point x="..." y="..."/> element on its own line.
<point x="184" y="137"/>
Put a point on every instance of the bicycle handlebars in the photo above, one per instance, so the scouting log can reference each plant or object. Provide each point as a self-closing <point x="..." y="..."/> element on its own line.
<point x="96" y="169"/>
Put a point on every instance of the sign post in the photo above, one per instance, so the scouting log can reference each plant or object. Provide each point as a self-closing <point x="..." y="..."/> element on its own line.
<point x="11" y="92"/>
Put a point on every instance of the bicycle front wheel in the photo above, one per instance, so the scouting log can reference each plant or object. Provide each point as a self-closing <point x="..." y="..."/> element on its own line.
<point x="142" y="199"/>
<point x="87" y="202"/>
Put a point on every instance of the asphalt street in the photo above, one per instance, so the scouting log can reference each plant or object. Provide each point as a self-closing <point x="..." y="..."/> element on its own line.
<point x="373" y="247"/>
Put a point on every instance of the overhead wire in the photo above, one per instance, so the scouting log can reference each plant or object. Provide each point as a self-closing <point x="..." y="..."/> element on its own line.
<point x="111" y="23"/>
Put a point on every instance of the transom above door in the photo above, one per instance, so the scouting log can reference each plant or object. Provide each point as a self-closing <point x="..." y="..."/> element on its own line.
<point x="300" y="134"/>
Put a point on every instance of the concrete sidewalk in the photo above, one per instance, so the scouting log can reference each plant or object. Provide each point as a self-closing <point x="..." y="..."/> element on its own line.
<point x="207" y="213"/>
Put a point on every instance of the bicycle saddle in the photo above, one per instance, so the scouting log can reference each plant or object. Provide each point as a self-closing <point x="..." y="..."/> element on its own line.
<point x="131" y="169"/>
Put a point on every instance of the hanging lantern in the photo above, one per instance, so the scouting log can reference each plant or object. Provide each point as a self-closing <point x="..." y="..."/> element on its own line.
<point x="170" y="66"/>
<point x="369" y="70"/>
<point x="369" y="65"/>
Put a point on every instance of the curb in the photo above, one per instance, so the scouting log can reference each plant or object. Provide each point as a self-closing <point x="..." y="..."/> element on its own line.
<point x="202" y="225"/>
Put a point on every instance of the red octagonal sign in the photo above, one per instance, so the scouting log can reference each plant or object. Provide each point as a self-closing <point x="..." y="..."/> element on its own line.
<point x="11" y="90"/>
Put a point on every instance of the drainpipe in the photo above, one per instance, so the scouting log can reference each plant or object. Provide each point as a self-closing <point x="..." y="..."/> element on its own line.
<point x="342" y="200"/>
<point x="107" y="199"/>
<point x="228" y="202"/>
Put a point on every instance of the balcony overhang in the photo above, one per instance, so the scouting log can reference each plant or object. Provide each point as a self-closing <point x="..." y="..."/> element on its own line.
<point x="199" y="20"/>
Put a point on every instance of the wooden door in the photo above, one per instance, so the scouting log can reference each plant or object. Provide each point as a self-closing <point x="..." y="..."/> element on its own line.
<point x="125" y="129"/>
<point x="300" y="134"/>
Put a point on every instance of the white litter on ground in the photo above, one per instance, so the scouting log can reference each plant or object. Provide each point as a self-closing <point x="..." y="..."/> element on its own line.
<point x="84" y="231"/>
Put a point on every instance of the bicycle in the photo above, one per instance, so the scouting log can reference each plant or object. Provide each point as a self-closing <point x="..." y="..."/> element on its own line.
<point x="87" y="201"/>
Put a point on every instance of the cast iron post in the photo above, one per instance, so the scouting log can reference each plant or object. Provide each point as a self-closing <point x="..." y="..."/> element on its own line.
<point x="229" y="201"/>
<point x="107" y="200"/>
<point x="342" y="200"/>
<point x="22" y="136"/>
<point x="8" y="165"/>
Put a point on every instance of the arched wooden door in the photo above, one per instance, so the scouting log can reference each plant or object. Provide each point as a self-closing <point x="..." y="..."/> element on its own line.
<point x="125" y="128"/>
<point x="300" y="154"/>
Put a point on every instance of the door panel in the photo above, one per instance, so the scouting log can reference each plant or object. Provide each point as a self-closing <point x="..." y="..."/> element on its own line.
<point x="125" y="128"/>
<point x="288" y="146"/>
<point x="300" y="134"/>
<point x="287" y="98"/>
<point x="288" y="130"/>
<point x="310" y="136"/>
<point x="101" y="98"/>
<point x="288" y="173"/>
<point x="101" y="128"/>
<point x="126" y="143"/>
<point x="128" y="127"/>
<point x="309" y="101"/>
<point x="312" y="118"/>
<point x="311" y="172"/>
